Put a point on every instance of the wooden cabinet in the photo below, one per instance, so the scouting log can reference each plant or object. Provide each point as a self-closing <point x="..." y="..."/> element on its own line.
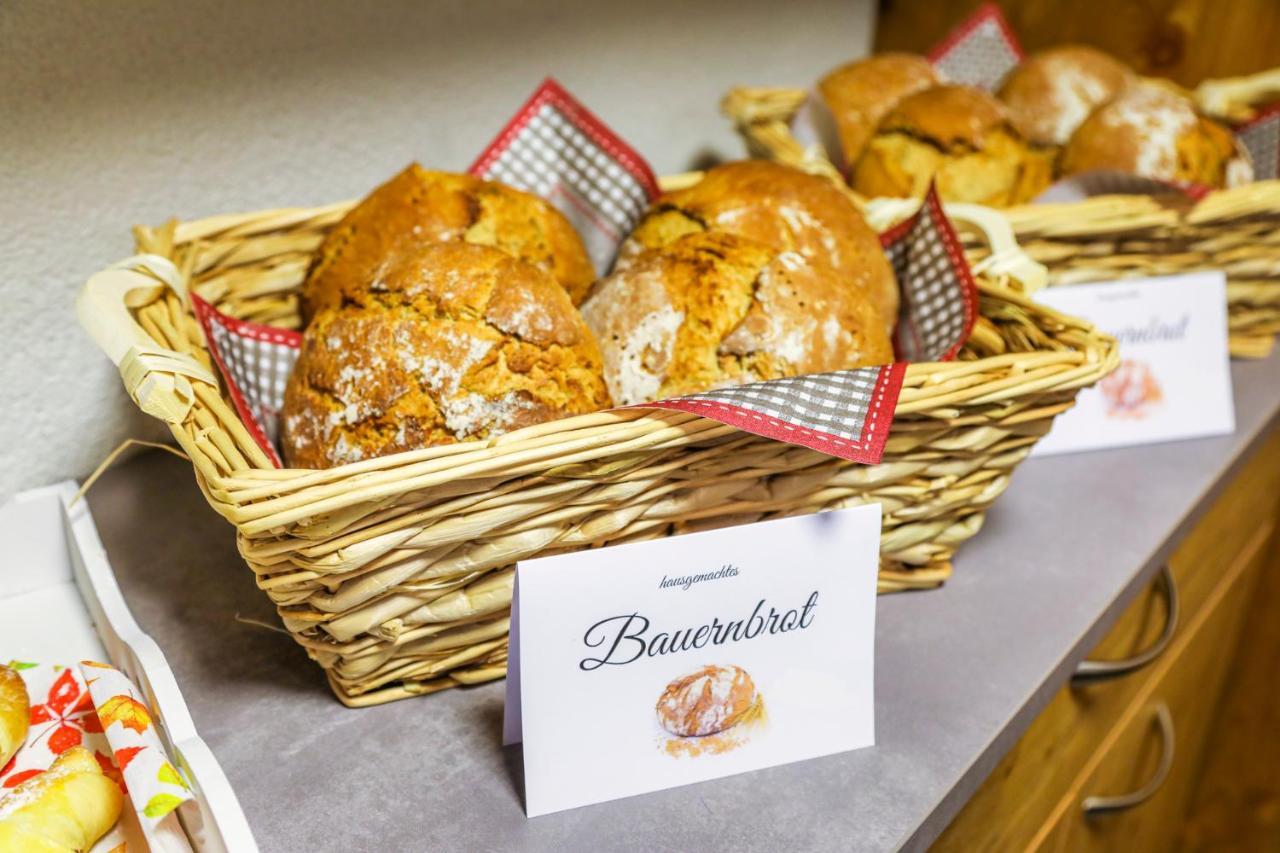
<point x="1104" y="738"/>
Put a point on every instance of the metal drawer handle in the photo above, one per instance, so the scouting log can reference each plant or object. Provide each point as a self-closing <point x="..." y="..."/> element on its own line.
<point x="1090" y="671"/>
<point x="1095" y="806"/>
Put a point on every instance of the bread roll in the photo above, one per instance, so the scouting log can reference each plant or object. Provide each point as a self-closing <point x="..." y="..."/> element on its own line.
<point x="15" y="713"/>
<point x="960" y="137"/>
<point x="1150" y="131"/>
<point x="781" y="207"/>
<point x="859" y="94"/>
<point x="707" y="702"/>
<point x="1052" y="92"/>
<point x="455" y="341"/>
<point x="712" y="309"/>
<point x="417" y="207"/>
<point x="66" y="808"/>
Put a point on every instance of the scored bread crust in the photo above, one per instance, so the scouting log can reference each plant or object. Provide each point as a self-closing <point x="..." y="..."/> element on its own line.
<point x="454" y="341"/>
<point x="419" y="206"/>
<point x="1051" y="93"/>
<point x="1149" y="130"/>
<point x="959" y="137"/>
<point x="711" y="310"/>
<point x="781" y="207"/>
<point x="15" y="712"/>
<point x="67" y="807"/>
<point x="860" y="93"/>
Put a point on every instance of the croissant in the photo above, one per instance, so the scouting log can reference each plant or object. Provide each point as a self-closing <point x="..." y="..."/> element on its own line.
<point x="66" y="808"/>
<point x="15" y="711"/>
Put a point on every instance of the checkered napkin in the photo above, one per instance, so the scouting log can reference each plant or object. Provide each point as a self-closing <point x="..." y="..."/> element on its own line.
<point x="554" y="147"/>
<point x="983" y="49"/>
<point x="1261" y="138"/>
<point x="980" y="51"/>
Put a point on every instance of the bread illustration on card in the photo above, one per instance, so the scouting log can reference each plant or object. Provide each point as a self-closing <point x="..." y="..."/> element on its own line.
<point x="1132" y="391"/>
<point x="711" y="710"/>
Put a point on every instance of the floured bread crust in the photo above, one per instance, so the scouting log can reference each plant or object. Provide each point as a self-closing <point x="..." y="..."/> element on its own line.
<point x="706" y="702"/>
<point x="1052" y="92"/>
<point x="711" y="310"/>
<point x="419" y="206"/>
<point x="859" y="94"/>
<point x="781" y="207"/>
<point x="452" y="341"/>
<point x="1153" y="132"/>
<point x="959" y="137"/>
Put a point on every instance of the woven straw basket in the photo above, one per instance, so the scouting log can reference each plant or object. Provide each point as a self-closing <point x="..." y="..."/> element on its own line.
<point x="396" y="573"/>
<point x="1112" y="236"/>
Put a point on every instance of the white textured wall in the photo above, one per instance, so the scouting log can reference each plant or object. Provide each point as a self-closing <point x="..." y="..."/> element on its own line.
<point x="119" y="112"/>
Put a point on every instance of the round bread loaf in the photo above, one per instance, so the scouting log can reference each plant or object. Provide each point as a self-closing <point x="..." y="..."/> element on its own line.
<point x="712" y="310"/>
<point x="1052" y="92"/>
<point x="418" y="206"/>
<point x="781" y="207"/>
<point x="959" y="137"/>
<point x="707" y="702"/>
<point x="453" y="341"/>
<point x="1149" y="130"/>
<point x="859" y="94"/>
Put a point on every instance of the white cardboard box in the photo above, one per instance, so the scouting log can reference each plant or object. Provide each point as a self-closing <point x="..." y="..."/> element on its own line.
<point x="59" y="601"/>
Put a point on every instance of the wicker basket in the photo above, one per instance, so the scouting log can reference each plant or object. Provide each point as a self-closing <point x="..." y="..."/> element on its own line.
<point x="1106" y="237"/>
<point x="395" y="573"/>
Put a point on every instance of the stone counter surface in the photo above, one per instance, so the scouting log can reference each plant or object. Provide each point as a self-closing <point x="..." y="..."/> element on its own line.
<point x="960" y="673"/>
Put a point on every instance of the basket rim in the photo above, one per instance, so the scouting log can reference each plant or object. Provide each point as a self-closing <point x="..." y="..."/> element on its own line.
<point x="240" y="490"/>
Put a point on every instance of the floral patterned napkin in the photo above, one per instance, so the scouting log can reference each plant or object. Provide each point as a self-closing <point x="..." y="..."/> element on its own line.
<point x="95" y="706"/>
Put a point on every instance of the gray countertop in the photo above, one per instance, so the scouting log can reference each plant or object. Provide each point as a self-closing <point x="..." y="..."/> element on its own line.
<point x="960" y="673"/>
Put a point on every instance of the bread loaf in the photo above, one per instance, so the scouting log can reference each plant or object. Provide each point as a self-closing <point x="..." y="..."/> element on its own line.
<point x="707" y="702"/>
<point x="66" y="808"/>
<point x="781" y="207"/>
<point x="15" y="712"/>
<point x="859" y="94"/>
<point x="418" y="206"/>
<point x="712" y="309"/>
<point x="452" y="341"/>
<point x="1052" y="92"/>
<point x="1151" y="131"/>
<point x="959" y="137"/>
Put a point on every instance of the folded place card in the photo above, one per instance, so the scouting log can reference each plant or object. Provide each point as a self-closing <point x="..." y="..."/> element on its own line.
<point x="1174" y="379"/>
<point x="648" y="665"/>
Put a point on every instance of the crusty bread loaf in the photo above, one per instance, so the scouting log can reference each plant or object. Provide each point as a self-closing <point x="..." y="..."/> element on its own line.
<point x="781" y="207"/>
<point x="453" y="341"/>
<point x="707" y="702"/>
<point x="15" y="712"/>
<point x="1149" y="130"/>
<point x="418" y="206"/>
<point x="859" y="94"/>
<point x="65" y="809"/>
<point x="712" y="309"/>
<point x="1052" y="92"/>
<point x="959" y="137"/>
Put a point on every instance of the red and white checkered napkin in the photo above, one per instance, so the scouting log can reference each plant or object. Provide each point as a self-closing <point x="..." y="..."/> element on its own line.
<point x="554" y="147"/>
<point x="980" y="51"/>
<point x="983" y="49"/>
<point x="1261" y="138"/>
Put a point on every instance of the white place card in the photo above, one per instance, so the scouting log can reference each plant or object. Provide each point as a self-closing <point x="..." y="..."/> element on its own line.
<point x="649" y="665"/>
<point x="1174" y="379"/>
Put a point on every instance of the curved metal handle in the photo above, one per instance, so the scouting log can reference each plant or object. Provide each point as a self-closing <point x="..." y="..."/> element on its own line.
<point x="1090" y="671"/>
<point x="1096" y="806"/>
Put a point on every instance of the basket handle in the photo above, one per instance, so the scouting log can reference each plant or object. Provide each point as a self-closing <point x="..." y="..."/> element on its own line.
<point x="1234" y="98"/>
<point x="157" y="378"/>
<point x="1006" y="258"/>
